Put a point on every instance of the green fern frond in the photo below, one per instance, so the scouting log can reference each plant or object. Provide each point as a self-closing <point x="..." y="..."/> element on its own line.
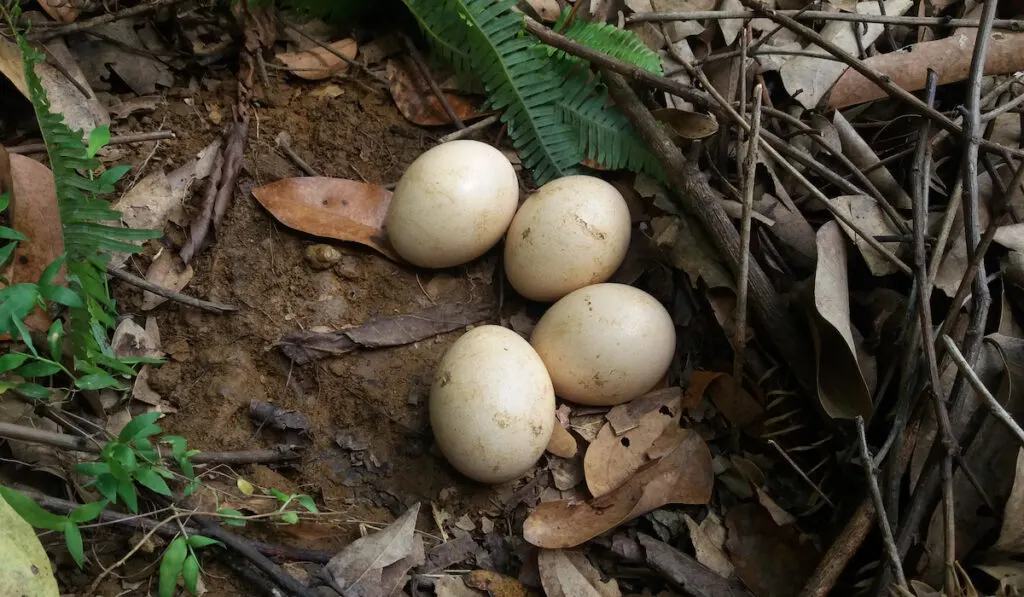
<point x="87" y="242"/>
<point x="608" y="39"/>
<point x="485" y="38"/>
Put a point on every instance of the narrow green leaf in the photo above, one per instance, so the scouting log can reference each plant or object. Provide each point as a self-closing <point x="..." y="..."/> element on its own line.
<point x="12" y="361"/>
<point x="48" y="275"/>
<point x="147" y="478"/>
<point x="37" y="369"/>
<point x="166" y="474"/>
<point x="6" y="251"/>
<point x="91" y="469"/>
<point x="126" y="489"/>
<point x="186" y="468"/>
<point x="55" y="338"/>
<point x="190" y="573"/>
<point x="99" y="137"/>
<point x="62" y="296"/>
<point x="281" y="497"/>
<point x="171" y="565"/>
<point x="178" y="444"/>
<point x="131" y="430"/>
<point x="73" y="539"/>
<point x="145" y="450"/>
<point x="97" y="381"/>
<point x="307" y="503"/>
<point x="125" y="456"/>
<point x="289" y="518"/>
<point x="114" y="174"/>
<point x="191" y="487"/>
<point x="31" y="511"/>
<point x="5" y="200"/>
<point x="107" y="484"/>
<point x="11" y="234"/>
<point x="199" y="541"/>
<point x="87" y="512"/>
<point x="235" y="522"/>
<point x="33" y="390"/>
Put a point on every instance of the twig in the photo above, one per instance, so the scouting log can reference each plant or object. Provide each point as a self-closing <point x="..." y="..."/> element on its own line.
<point x="284" y="143"/>
<point x="380" y="78"/>
<point x="789" y="460"/>
<point x="876" y="496"/>
<point x="246" y="548"/>
<point x="705" y="202"/>
<point x="115" y="140"/>
<point x="471" y="129"/>
<point x="140" y="9"/>
<point x="84" y="444"/>
<point x="997" y="409"/>
<point x="424" y="70"/>
<point x="219" y="308"/>
<point x="819" y="15"/>
<point x="749" y="170"/>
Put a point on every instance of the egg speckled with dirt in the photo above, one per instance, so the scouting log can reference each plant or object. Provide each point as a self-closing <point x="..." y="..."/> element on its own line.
<point x="605" y="344"/>
<point x="572" y="232"/>
<point x="492" y="405"/>
<point x="452" y="204"/>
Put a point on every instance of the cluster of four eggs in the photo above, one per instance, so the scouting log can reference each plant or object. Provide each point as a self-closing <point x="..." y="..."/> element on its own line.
<point x="493" y="398"/>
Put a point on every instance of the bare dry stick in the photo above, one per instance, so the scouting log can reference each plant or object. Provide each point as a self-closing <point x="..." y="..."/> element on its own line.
<point x="140" y="9"/>
<point x="212" y="307"/>
<point x="115" y="140"/>
<point x="818" y="15"/>
<point x="876" y="496"/>
<point x="749" y="169"/>
<point x="796" y="467"/>
<point x="469" y="130"/>
<point x="705" y="202"/>
<point x="997" y="409"/>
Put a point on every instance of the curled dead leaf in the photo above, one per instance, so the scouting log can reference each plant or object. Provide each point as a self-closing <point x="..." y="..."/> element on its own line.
<point x="167" y="271"/>
<point x="683" y="476"/>
<point x="332" y="208"/>
<point x="684" y="125"/>
<point x="771" y="560"/>
<point x="570" y="574"/>
<point x="416" y="101"/>
<point x="318" y="63"/>
<point x="496" y="585"/>
<point x="562" y="442"/>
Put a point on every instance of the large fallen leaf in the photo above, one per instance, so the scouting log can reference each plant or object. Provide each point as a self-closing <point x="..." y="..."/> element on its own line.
<point x="625" y="417"/>
<point x="860" y="153"/>
<point x="570" y="574"/>
<point x="416" y="101"/>
<point x="949" y="57"/>
<point x="614" y="457"/>
<point x="772" y="561"/>
<point x="809" y="78"/>
<point x="167" y="271"/>
<point x="842" y="390"/>
<point x="61" y="10"/>
<point x="359" y="569"/>
<point x="303" y="346"/>
<point x="869" y="217"/>
<point x="319" y="63"/>
<point x="686" y="573"/>
<point x="103" y="59"/>
<point x="331" y="207"/>
<point x="708" y="539"/>
<point x="683" y="476"/>
<point x="24" y="566"/>
<point x="1011" y="536"/>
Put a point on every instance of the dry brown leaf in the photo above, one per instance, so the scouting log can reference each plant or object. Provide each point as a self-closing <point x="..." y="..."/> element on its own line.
<point x="570" y="574"/>
<point x="684" y="476"/>
<point x="686" y="573"/>
<point x="547" y="10"/>
<point x="562" y="442"/>
<point x="860" y="153"/>
<point x="454" y="586"/>
<point x="808" y="79"/>
<point x="167" y="271"/>
<point x="708" y="540"/>
<point x="318" y="63"/>
<point x="60" y="10"/>
<point x="625" y="417"/>
<point x="738" y="407"/>
<point x="1011" y="536"/>
<point x="684" y="126"/>
<point x="102" y="59"/>
<point x="950" y="57"/>
<point x="690" y="250"/>
<point x="496" y="585"/>
<point x="699" y="382"/>
<point x="332" y="208"/>
<point x="359" y="569"/>
<point x="778" y="514"/>
<point x="131" y="340"/>
<point x="772" y="561"/>
<point x="1011" y="236"/>
<point x="612" y="458"/>
<point x="416" y="101"/>
<point x="842" y="390"/>
<point x="869" y="217"/>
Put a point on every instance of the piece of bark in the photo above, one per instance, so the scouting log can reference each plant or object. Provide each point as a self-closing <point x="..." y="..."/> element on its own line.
<point x="686" y="573"/>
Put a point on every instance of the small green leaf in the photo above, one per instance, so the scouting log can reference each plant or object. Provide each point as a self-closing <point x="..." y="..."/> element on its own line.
<point x="171" y="565"/>
<point x="191" y="487"/>
<point x="98" y="139"/>
<point x="5" y="253"/>
<point x="97" y="381"/>
<point x="166" y="474"/>
<point x="62" y="296"/>
<point x="11" y="361"/>
<point x="38" y="369"/>
<point x="235" y="522"/>
<point x="132" y="429"/>
<point x="145" y="449"/>
<point x="33" y="390"/>
<point x="73" y="539"/>
<point x="244" y="486"/>
<point x="55" y="338"/>
<point x="125" y="456"/>
<point x="11" y="234"/>
<point x="5" y="200"/>
<point x="126" y="489"/>
<point x="178" y="444"/>
<point x="281" y="497"/>
<point x="190" y="573"/>
<point x="147" y="478"/>
<point x="147" y="431"/>
<point x="87" y="512"/>
<point x="186" y="468"/>
<point x="307" y="503"/>
<point x="91" y="469"/>
<point x="289" y="518"/>
<point x="31" y="511"/>
<point x="48" y="275"/>
<point x="199" y="541"/>
<point x="107" y="484"/>
<point x="113" y="175"/>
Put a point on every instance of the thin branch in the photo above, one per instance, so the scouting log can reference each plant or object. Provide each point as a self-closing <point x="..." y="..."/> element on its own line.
<point x="115" y="140"/>
<point x="876" y="496"/>
<point x="789" y="460"/>
<point x="749" y="170"/>
<point x="219" y="308"/>
<point x="424" y="70"/>
<point x="471" y="129"/>
<point x="997" y="409"/>
<point x="819" y="15"/>
<point x="46" y="34"/>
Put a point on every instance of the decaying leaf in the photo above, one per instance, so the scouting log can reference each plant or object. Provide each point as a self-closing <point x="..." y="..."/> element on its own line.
<point x="496" y="585"/>
<point x="24" y="565"/>
<point x="453" y="586"/>
<point x="102" y="59"/>
<point x="684" y="125"/>
<point x="861" y="155"/>
<point x="167" y="271"/>
<point x="869" y="217"/>
<point x="303" y="346"/>
<point x="683" y="476"/>
<point x="570" y="574"/>
<point x="547" y="10"/>
<point x="131" y="340"/>
<point x="708" y="540"/>
<point x="808" y="79"/>
<point x="625" y="417"/>
<point x="613" y="457"/>
<point x="416" y="101"/>
<point x="735" y="404"/>
<point x="1011" y="535"/>
<point x="562" y="443"/>
<point x="332" y="208"/>
<point x="771" y="560"/>
<point x="318" y="63"/>
<point x="686" y="573"/>
<point x="277" y="417"/>
<point x="699" y="382"/>
<point x="360" y="569"/>
<point x="842" y="390"/>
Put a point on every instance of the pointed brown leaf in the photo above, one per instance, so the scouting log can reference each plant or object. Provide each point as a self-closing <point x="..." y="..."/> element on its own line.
<point x="331" y="207"/>
<point x="570" y="574"/>
<point x="359" y="568"/>
<point x="319" y="63"/>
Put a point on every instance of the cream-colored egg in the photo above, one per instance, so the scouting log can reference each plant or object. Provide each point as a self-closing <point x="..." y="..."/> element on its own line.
<point x="452" y="204"/>
<point x="492" y="405"/>
<point x="605" y="344"/>
<point x="574" y="231"/>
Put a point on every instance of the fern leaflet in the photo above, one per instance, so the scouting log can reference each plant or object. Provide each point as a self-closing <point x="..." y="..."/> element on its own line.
<point x="610" y="40"/>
